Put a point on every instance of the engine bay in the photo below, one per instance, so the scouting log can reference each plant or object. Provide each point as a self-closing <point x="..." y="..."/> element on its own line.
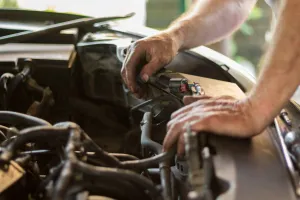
<point x="70" y="129"/>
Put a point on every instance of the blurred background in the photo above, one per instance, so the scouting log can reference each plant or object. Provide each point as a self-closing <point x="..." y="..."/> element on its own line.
<point x="245" y="46"/>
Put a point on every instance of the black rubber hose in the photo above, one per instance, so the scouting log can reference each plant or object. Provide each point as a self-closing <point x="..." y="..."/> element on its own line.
<point x="103" y="155"/>
<point x="49" y="178"/>
<point x="67" y="173"/>
<point x="133" y="164"/>
<point x="148" y="162"/>
<point x="101" y="189"/>
<point x="106" y="159"/>
<point x="94" y="159"/>
<point x="119" y="174"/>
<point x="32" y="135"/>
<point x="124" y="156"/>
<point x="15" y="118"/>
<point x="64" y="180"/>
<point x="113" y="188"/>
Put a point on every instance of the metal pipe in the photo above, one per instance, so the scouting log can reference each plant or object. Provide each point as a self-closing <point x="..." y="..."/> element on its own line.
<point x="165" y="179"/>
<point x="146" y="142"/>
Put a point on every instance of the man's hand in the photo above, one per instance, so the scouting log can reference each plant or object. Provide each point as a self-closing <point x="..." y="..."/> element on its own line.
<point x="147" y="56"/>
<point x="222" y="115"/>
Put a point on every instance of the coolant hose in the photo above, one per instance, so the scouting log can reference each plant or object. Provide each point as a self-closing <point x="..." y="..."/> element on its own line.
<point x="15" y="118"/>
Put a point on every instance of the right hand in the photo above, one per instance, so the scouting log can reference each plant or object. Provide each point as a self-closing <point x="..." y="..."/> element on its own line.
<point x="151" y="54"/>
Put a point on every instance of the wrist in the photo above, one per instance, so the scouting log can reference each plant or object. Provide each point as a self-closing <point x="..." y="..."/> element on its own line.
<point x="177" y="33"/>
<point x="261" y="113"/>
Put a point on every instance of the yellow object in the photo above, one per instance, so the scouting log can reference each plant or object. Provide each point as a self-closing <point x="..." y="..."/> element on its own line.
<point x="12" y="174"/>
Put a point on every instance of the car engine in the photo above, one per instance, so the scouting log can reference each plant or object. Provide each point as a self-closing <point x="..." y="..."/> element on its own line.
<point x="70" y="129"/>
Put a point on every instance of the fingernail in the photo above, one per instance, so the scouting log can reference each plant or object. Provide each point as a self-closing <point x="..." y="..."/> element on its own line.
<point x="145" y="77"/>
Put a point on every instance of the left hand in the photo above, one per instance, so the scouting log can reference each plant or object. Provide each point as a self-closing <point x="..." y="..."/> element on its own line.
<point x="222" y="115"/>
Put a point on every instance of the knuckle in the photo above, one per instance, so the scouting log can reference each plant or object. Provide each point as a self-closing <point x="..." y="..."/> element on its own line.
<point x="173" y="115"/>
<point x="177" y="126"/>
<point x="181" y="140"/>
<point x="169" y="124"/>
<point x="162" y="59"/>
<point x="172" y="126"/>
<point x="138" y="44"/>
<point x="209" y="120"/>
<point x="155" y="60"/>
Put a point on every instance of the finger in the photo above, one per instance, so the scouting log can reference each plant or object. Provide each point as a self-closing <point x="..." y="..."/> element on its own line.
<point x="149" y="69"/>
<point x="175" y="130"/>
<point x="191" y="99"/>
<point x="181" y="145"/>
<point x="222" y="123"/>
<point x="183" y="115"/>
<point x="202" y="111"/>
<point x="131" y="68"/>
<point x="170" y="139"/>
<point x="123" y="74"/>
<point x="185" y="109"/>
<point x="196" y="104"/>
<point x="123" y="70"/>
<point x="205" y="102"/>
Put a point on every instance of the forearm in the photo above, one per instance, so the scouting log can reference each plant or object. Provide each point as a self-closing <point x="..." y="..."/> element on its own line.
<point x="209" y="21"/>
<point x="281" y="74"/>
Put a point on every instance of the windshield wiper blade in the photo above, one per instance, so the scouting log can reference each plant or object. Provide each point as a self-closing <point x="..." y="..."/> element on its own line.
<point x="27" y="35"/>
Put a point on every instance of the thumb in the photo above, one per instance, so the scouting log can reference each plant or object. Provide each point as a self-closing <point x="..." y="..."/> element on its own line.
<point x="148" y="70"/>
<point x="191" y="99"/>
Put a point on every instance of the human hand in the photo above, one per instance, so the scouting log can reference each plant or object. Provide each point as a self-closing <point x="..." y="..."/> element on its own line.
<point x="222" y="115"/>
<point x="151" y="54"/>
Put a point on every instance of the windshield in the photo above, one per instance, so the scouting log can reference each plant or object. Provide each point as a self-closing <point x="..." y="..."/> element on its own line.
<point x="95" y="8"/>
